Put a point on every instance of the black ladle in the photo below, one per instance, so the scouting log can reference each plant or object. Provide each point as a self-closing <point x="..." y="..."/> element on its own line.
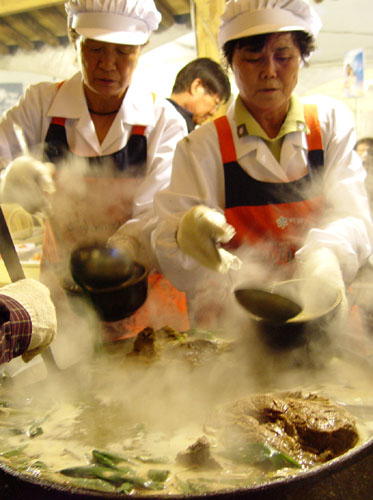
<point x="115" y="285"/>
<point x="98" y="266"/>
<point x="267" y="305"/>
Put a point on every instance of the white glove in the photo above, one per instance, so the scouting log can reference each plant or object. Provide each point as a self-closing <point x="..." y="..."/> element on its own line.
<point x="200" y="231"/>
<point x="35" y="298"/>
<point x="28" y="182"/>
<point x="321" y="267"/>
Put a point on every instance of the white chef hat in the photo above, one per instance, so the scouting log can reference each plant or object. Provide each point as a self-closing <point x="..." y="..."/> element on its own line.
<point x="129" y="22"/>
<point x="243" y="18"/>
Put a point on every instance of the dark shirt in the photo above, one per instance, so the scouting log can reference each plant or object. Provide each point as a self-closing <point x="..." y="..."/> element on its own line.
<point x="186" y="114"/>
<point x="15" y="329"/>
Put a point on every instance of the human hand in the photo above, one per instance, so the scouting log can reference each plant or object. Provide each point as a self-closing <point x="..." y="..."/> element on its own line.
<point x="35" y="298"/>
<point x="28" y="182"/>
<point x="200" y="231"/>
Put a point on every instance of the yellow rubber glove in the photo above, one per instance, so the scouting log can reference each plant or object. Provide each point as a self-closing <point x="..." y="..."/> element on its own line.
<point x="200" y="231"/>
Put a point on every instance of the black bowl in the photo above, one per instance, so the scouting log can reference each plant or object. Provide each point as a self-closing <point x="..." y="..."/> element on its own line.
<point x="121" y="301"/>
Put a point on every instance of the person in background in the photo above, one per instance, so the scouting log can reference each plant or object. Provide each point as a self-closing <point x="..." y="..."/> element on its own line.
<point x="275" y="181"/>
<point x="200" y="87"/>
<point x="364" y="148"/>
<point x="99" y="146"/>
<point x="27" y="320"/>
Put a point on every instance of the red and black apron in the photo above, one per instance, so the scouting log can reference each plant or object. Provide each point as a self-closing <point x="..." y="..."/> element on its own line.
<point x="90" y="208"/>
<point x="272" y="216"/>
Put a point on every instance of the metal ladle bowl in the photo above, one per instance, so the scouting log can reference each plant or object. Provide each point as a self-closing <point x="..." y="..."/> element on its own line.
<point x="98" y="266"/>
<point x="317" y="308"/>
<point x="287" y="302"/>
<point x="267" y="305"/>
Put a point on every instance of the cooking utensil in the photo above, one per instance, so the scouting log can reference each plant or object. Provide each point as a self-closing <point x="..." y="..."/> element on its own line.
<point x="98" y="266"/>
<point x="8" y="251"/>
<point x="115" y="285"/>
<point x="15" y="271"/>
<point x="267" y="304"/>
<point x="309" y="324"/>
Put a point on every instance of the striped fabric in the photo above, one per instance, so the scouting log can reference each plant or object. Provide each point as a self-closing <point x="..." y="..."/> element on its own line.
<point x="15" y="329"/>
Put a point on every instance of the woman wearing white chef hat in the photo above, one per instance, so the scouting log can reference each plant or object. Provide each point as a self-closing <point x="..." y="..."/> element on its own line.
<point x="276" y="177"/>
<point x="111" y="141"/>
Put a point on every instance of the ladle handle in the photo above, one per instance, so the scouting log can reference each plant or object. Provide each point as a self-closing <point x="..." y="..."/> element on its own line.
<point x="8" y="251"/>
<point x="15" y="270"/>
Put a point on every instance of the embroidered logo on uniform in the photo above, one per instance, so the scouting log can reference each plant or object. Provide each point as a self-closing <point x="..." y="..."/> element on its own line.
<point x="282" y="222"/>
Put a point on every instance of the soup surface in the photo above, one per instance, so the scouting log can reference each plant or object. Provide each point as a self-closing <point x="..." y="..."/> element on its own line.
<point x="142" y="420"/>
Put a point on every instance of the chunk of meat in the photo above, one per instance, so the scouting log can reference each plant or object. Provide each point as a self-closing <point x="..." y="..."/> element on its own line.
<point x="198" y="455"/>
<point x="310" y="429"/>
<point x="167" y="343"/>
<point x="144" y="343"/>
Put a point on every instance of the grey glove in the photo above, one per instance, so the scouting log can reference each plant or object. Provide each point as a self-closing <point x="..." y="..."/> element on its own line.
<point x="200" y="231"/>
<point x="28" y="182"/>
<point x="35" y="298"/>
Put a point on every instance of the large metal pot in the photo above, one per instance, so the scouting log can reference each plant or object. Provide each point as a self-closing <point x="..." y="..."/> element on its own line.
<point x="348" y="477"/>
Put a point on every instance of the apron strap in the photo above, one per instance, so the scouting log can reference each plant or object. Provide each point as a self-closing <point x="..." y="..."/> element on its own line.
<point x="314" y="139"/>
<point x="226" y="142"/>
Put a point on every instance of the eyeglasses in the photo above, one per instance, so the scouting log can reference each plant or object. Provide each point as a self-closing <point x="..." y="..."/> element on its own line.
<point x="214" y="96"/>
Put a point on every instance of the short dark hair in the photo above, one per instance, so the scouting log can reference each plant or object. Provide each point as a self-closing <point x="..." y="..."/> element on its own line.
<point x="365" y="140"/>
<point x="212" y="75"/>
<point x="304" y="41"/>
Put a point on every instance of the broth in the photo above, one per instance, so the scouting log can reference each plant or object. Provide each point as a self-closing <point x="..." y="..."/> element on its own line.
<point x="141" y="417"/>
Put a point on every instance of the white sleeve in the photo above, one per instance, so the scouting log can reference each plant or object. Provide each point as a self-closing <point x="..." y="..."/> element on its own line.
<point x="347" y="225"/>
<point x="196" y="180"/>
<point x="30" y="113"/>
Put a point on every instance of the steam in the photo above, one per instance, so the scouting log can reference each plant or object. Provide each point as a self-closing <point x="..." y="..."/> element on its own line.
<point x="171" y="393"/>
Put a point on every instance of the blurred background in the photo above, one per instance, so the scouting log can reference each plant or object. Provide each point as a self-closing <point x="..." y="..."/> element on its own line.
<point x="34" y="47"/>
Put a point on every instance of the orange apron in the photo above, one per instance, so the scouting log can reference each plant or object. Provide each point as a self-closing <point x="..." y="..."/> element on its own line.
<point x="272" y="216"/>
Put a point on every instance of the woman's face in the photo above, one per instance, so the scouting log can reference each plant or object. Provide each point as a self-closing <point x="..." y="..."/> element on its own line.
<point x="107" y="68"/>
<point x="266" y="78"/>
